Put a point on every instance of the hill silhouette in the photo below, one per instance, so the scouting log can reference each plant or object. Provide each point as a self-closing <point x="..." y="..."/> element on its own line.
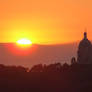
<point x="46" y="78"/>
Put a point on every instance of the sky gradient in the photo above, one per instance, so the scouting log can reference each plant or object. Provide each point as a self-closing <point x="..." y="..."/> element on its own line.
<point x="45" y="21"/>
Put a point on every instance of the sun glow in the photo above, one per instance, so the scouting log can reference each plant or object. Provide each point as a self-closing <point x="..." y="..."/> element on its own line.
<point x="24" y="42"/>
<point x="22" y="47"/>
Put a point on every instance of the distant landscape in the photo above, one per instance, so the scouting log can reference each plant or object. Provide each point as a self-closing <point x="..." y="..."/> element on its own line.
<point x="44" y="54"/>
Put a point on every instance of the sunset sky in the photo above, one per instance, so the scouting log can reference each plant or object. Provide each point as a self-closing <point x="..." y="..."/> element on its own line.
<point x="45" y="21"/>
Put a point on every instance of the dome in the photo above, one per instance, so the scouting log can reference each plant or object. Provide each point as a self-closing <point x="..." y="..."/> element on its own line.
<point x="85" y="42"/>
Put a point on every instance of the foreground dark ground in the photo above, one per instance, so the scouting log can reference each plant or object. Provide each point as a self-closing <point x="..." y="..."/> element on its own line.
<point x="51" y="78"/>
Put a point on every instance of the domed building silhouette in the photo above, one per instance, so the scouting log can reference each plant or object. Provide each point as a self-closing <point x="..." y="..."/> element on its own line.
<point x="85" y="51"/>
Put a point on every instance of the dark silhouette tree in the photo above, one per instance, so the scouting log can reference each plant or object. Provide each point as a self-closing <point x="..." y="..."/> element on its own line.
<point x="73" y="60"/>
<point x="37" y="68"/>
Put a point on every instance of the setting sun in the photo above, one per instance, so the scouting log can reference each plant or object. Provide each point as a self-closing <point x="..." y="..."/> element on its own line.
<point x="24" y="42"/>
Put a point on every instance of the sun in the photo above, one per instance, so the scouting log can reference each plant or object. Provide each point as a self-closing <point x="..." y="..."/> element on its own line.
<point x="24" y="42"/>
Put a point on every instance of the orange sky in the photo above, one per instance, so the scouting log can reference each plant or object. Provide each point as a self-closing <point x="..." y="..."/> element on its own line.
<point x="45" y="21"/>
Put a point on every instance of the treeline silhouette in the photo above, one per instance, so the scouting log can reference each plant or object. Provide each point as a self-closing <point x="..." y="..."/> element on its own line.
<point x="46" y="78"/>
